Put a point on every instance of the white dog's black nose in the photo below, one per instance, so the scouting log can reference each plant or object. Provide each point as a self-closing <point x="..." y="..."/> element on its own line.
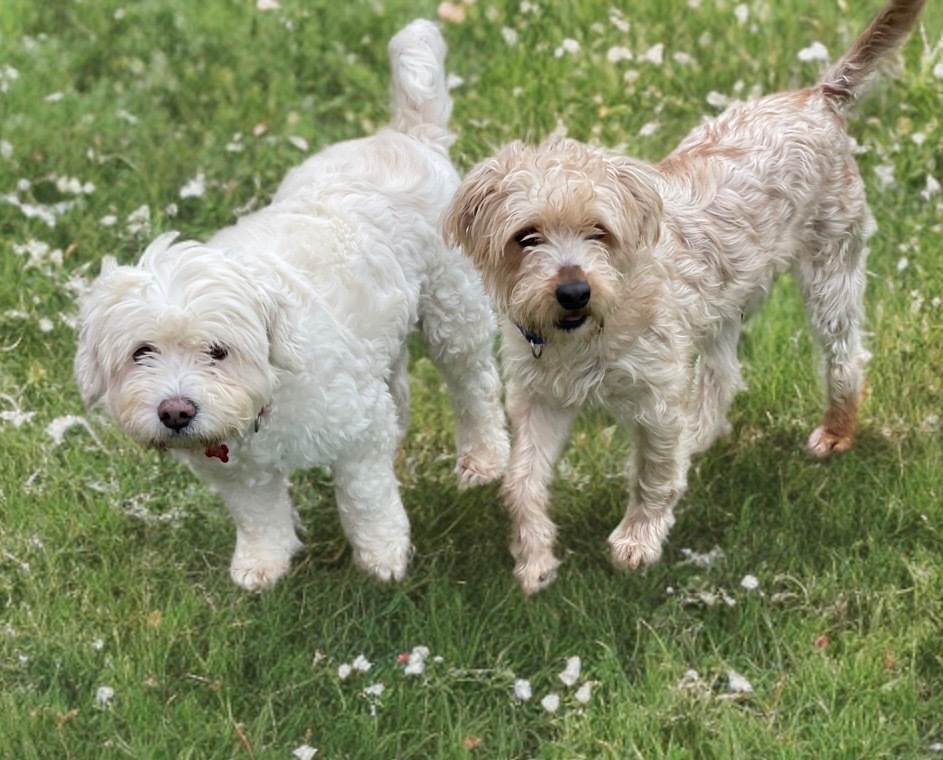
<point x="573" y="294"/>
<point x="177" y="412"/>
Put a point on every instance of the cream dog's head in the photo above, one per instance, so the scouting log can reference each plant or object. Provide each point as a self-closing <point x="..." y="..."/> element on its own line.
<point x="555" y="230"/>
<point x="183" y="347"/>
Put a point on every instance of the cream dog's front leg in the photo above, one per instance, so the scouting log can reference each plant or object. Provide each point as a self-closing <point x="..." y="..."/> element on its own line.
<point x="657" y="480"/>
<point x="539" y="430"/>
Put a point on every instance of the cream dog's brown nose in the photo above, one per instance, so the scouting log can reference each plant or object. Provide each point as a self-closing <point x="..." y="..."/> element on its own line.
<point x="573" y="294"/>
<point x="177" y="412"/>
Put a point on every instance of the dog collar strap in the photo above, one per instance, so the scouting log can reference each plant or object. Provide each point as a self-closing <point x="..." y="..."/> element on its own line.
<point x="536" y="342"/>
<point x="221" y="450"/>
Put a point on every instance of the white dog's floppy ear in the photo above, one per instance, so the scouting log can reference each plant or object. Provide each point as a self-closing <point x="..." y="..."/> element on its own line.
<point x="89" y="372"/>
<point x="641" y="202"/>
<point x="468" y="222"/>
<point x="284" y="349"/>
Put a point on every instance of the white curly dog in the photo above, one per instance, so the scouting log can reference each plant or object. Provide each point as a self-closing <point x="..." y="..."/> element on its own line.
<point x="281" y="343"/>
<point x="614" y="276"/>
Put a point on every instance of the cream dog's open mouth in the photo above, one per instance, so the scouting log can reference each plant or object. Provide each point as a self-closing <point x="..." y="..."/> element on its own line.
<point x="572" y="321"/>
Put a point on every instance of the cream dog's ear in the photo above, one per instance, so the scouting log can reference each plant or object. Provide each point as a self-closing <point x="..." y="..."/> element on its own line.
<point x="284" y="349"/>
<point x="470" y="219"/>
<point x="88" y="368"/>
<point x="641" y="204"/>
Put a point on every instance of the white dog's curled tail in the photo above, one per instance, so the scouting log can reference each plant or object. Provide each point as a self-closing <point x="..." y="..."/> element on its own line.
<point x="421" y="102"/>
<point x="887" y="30"/>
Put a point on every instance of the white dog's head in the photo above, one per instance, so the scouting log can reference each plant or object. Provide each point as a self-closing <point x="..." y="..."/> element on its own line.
<point x="555" y="230"/>
<point x="182" y="347"/>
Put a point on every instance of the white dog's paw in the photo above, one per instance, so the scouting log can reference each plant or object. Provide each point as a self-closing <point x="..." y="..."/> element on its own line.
<point x="387" y="564"/>
<point x="537" y="572"/>
<point x="256" y="567"/>
<point x="476" y="468"/>
<point x="634" y="545"/>
<point x="824" y="442"/>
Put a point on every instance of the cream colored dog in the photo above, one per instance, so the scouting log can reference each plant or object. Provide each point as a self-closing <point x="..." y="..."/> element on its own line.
<point x="281" y="342"/>
<point x="614" y="278"/>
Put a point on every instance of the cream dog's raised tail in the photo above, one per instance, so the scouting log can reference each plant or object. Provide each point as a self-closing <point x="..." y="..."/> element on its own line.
<point x="282" y="342"/>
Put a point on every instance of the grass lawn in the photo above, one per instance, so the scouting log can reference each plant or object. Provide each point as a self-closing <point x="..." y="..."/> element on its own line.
<point x="798" y="610"/>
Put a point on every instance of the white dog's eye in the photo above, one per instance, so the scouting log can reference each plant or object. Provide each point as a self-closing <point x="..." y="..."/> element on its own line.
<point x="218" y="352"/>
<point x="597" y="233"/>
<point x="528" y="238"/>
<point x="141" y="351"/>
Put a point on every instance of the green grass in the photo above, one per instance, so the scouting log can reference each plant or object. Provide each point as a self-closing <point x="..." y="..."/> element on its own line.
<point x="113" y="561"/>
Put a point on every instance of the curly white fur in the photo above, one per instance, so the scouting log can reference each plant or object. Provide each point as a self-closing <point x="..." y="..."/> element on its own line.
<point x="624" y="284"/>
<point x="280" y="343"/>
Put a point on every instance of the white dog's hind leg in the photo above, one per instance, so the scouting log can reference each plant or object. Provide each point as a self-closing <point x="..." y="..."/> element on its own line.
<point x="371" y="511"/>
<point x="717" y="380"/>
<point x="539" y="432"/>
<point x="265" y="530"/>
<point x="399" y="390"/>
<point x="458" y="332"/>
<point x="657" y="480"/>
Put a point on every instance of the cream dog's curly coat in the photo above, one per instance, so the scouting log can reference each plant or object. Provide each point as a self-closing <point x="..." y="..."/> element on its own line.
<point x="281" y="342"/>
<point x="614" y="278"/>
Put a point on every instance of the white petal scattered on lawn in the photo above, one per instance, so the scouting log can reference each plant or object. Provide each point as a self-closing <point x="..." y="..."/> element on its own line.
<point x="682" y="58"/>
<point x="742" y="13"/>
<point x="104" y="695"/>
<point x="98" y="644"/>
<point x="108" y="220"/>
<point x="62" y="425"/>
<point x="6" y="150"/>
<point x="8" y="75"/>
<point x="522" y="690"/>
<point x="616" y="19"/>
<point x="299" y="142"/>
<point x="655" y="54"/>
<point x="374" y="690"/>
<point x="344" y="671"/>
<point x="267" y="5"/>
<point x="126" y="116"/>
<point x="551" y="703"/>
<point x="416" y="661"/>
<point x="453" y="81"/>
<point x="902" y="263"/>
<point x="139" y="221"/>
<point x="569" y="46"/>
<point x="938" y="70"/>
<point x="452" y="12"/>
<point x="45" y="325"/>
<point x="509" y="36"/>
<point x="717" y="99"/>
<point x="45" y="213"/>
<point x="571" y="674"/>
<point x="815" y="52"/>
<point x="750" y="582"/>
<point x="885" y="173"/>
<point x="305" y="751"/>
<point x="195" y="188"/>
<point x="361" y="664"/>
<point x="932" y="188"/>
<point x="584" y="693"/>
<point x="936" y="746"/>
<point x="738" y="684"/>
<point x="16" y="417"/>
<point x="705" y="559"/>
<point x="619" y="53"/>
<point x="649" y="129"/>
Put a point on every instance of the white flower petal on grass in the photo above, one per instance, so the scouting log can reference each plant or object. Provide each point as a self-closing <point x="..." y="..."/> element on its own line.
<point x="6" y="149"/>
<point x="61" y="425"/>
<point x="885" y="173"/>
<point x="267" y="5"/>
<point x="98" y="644"/>
<point x="584" y="693"/>
<point x="139" y="221"/>
<point x="195" y="188"/>
<point x="655" y="54"/>
<point x="299" y="142"/>
<point x="717" y="99"/>
<point x="569" y="46"/>
<point x="416" y="664"/>
<point x="551" y="703"/>
<point x="304" y="752"/>
<point x="104" y="695"/>
<point x="682" y="58"/>
<point x="45" y="325"/>
<point x="649" y="129"/>
<point x="936" y="746"/>
<point x="619" y="53"/>
<point x="453" y="81"/>
<point x="361" y="664"/>
<point x="344" y="671"/>
<point x="374" y="690"/>
<point x="522" y="690"/>
<point x="902" y="263"/>
<point x="737" y="683"/>
<point x="933" y="187"/>
<point x="750" y="582"/>
<point x="938" y="70"/>
<point x="571" y="674"/>
<point x="706" y="559"/>
<point x="742" y="13"/>
<point x="509" y="36"/>
<point x="108" y="220"/>
<point x="16" y="417"/>
<point x="815" y="52"/>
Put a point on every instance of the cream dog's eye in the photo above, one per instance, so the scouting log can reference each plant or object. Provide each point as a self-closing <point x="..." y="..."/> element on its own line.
<point x="141" y="351"/>
<point x="528" y="238"/>
<point x="597" y="233"/>
<point x="218" y="352"/>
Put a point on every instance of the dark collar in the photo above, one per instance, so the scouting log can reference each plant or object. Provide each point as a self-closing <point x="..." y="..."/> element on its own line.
<point x="536" y="342"/>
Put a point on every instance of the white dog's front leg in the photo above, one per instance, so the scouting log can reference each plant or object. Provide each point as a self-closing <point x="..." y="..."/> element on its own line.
<point x="372" y="513"/>
<point x="265" y="530"/>
<point x="539" y="431"/>
<point x="657" y="480"/>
